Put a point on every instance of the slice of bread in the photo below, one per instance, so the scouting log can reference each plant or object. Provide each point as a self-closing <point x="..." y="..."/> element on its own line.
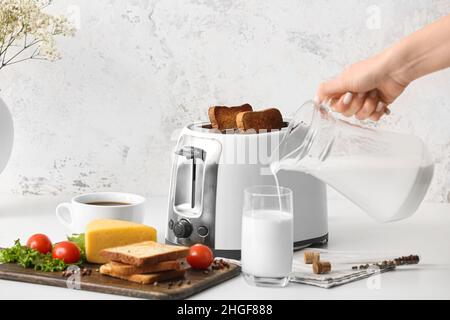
<point x="128" y="269"/>
<point x="268" y="119"/>
<point x="145" y="253"/>
<point x="223" y="118"/>
<point x="143" y="278"/>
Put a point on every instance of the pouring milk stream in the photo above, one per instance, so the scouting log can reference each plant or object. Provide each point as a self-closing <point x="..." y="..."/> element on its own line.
<point x="386" y="174"/>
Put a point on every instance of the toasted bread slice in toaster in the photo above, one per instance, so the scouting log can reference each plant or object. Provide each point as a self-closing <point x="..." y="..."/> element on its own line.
<point x="223" y="118"/>
<point x="143" y="278"/>
<point x="268" y="119"/>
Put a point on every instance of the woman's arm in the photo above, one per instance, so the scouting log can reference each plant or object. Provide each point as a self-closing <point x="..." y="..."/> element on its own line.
<point x="366" y="88"/>
<point x="423" y="52"/>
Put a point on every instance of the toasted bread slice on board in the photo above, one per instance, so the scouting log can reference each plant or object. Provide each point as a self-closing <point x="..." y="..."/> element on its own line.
<point x="143" y="278"/>
<point x="145" y="253"/>
<point x="268" y="119"/>
<point x="128" y="269"/>
<point x="223" y="118"/>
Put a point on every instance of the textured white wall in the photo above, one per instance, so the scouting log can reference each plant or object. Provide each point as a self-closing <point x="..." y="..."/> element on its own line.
<point x="102" y="118"/>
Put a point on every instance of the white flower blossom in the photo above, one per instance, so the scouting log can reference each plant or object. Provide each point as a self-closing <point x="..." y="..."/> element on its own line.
<point x="27" y="32"/>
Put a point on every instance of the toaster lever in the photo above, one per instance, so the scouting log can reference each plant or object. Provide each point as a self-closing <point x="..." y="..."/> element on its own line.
<point x="191" y="152"/>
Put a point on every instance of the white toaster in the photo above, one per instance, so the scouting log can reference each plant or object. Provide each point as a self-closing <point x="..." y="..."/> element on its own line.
<point x="210" y="171"/>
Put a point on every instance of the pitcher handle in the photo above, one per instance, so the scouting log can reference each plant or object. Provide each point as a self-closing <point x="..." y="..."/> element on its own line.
<point x="62" y="212"/>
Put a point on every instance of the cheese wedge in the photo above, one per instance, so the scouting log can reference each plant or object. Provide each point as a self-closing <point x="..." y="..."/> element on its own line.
<point x="103" y="234"/>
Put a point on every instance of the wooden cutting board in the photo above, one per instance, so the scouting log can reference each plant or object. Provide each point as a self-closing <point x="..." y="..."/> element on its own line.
<point x="193" y="283"/>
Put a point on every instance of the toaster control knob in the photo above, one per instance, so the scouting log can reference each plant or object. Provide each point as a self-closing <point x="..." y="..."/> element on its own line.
<point x="202" y="231"/>
<point x="182" y="229"/>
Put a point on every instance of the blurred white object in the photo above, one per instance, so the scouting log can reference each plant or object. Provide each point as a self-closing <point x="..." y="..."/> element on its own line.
<point x="6" y="134"/>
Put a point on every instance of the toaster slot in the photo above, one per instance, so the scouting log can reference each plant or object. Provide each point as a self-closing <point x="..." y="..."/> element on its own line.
<point x="189" y="181"/>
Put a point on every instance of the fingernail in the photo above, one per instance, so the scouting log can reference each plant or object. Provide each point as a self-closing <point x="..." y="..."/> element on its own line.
<point x="316" y="100"/>
<point x="361" y="95"/>
<point x="347" y="98"/>
<point x="387" y="111"/>
<point x="380" y="106"/>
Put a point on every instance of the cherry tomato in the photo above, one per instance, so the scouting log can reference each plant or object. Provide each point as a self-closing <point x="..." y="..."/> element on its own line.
<point x="200" y="257"/>
<point x="40" y="242"/>
<point x="66" y="251"/>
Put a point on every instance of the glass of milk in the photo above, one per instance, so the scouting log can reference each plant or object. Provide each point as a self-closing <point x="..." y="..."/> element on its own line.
<point x="267" y="235"/>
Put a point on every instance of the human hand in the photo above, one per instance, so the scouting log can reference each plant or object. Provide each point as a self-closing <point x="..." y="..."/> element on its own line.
<point x="363" y="90"/>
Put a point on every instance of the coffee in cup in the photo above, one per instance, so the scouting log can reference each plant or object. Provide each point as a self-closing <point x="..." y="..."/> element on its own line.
<point x="82" y="209"/>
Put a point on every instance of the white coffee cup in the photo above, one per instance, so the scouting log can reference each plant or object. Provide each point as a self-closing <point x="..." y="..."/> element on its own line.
<point x="82" y="209"/>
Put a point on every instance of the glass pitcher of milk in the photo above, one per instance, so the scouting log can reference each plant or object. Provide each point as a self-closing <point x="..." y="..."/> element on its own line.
<point x="387" y="174"/>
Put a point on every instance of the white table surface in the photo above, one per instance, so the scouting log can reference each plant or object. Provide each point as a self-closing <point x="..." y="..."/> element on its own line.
<point x="426" y="233"/>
